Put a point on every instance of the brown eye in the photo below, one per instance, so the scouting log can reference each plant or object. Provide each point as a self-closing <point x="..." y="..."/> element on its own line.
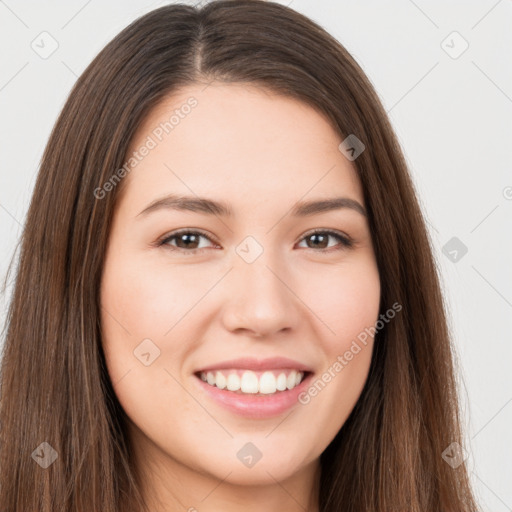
<point x="320" y="240"/>
<point x="188" y="241"/>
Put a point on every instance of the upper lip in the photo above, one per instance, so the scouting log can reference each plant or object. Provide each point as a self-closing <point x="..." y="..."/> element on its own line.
<point x="250" y="363"/>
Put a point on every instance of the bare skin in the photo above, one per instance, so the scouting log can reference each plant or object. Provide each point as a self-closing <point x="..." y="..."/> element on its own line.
<point x="303" y="297"/>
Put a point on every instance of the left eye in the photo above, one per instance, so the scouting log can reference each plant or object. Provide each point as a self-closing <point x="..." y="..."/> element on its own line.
<point x="319" y="237"/>
<point x="189" y="241"/>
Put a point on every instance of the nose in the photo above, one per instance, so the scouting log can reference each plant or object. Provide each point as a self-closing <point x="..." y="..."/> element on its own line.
<point x="261" y="300"/>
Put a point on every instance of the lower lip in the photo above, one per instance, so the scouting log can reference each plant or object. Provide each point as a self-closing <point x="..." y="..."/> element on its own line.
<point x="255" y="406"/>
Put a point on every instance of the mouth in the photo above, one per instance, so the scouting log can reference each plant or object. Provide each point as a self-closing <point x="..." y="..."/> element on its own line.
<point x="252" y="382"/>
<point x="254" y="388"/>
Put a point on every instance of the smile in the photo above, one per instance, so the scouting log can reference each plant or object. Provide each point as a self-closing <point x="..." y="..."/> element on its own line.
<point x="253" y="382"/>
<point x="254" y="388"/>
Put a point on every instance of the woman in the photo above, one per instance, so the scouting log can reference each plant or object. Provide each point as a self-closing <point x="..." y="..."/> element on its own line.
<point x="297" y="358"/>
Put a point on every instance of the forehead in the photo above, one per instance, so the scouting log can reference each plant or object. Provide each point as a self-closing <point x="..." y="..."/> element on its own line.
<point x="238" y="141"/>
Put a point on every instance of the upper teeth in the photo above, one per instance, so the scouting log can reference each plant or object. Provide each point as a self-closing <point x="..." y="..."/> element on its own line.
<point x="248" y="381"/>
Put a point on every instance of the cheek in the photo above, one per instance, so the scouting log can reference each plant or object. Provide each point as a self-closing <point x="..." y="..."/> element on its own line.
<point x="348" y="305"/>
<point x="135" y="314"/>
<point x="145" y="300"/>
<point x="145" y="316"/>
<point x="346" y="300"/>
<point x="139" y="306"/>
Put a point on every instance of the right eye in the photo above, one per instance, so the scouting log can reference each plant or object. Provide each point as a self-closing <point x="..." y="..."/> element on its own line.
<point x="187" y="241"/>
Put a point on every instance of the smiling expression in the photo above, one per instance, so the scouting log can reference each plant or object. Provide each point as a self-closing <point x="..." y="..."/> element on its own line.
<point x="188" y="318"/>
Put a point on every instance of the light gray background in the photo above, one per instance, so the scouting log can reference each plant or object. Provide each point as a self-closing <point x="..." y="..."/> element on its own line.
<point x="453" y="119"/>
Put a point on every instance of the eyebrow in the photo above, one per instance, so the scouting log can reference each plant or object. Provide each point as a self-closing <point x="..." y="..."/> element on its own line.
<point x="211" y="207"/>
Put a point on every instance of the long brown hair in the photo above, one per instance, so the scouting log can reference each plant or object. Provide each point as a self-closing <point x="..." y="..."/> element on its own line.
<point x="54" y="385"/>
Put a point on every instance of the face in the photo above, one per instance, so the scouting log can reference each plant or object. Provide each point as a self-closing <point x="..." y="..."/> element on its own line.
<point x="255" y="289"/>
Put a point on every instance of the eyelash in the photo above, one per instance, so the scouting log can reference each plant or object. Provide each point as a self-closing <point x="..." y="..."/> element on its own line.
<point x="346" y="242"/>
